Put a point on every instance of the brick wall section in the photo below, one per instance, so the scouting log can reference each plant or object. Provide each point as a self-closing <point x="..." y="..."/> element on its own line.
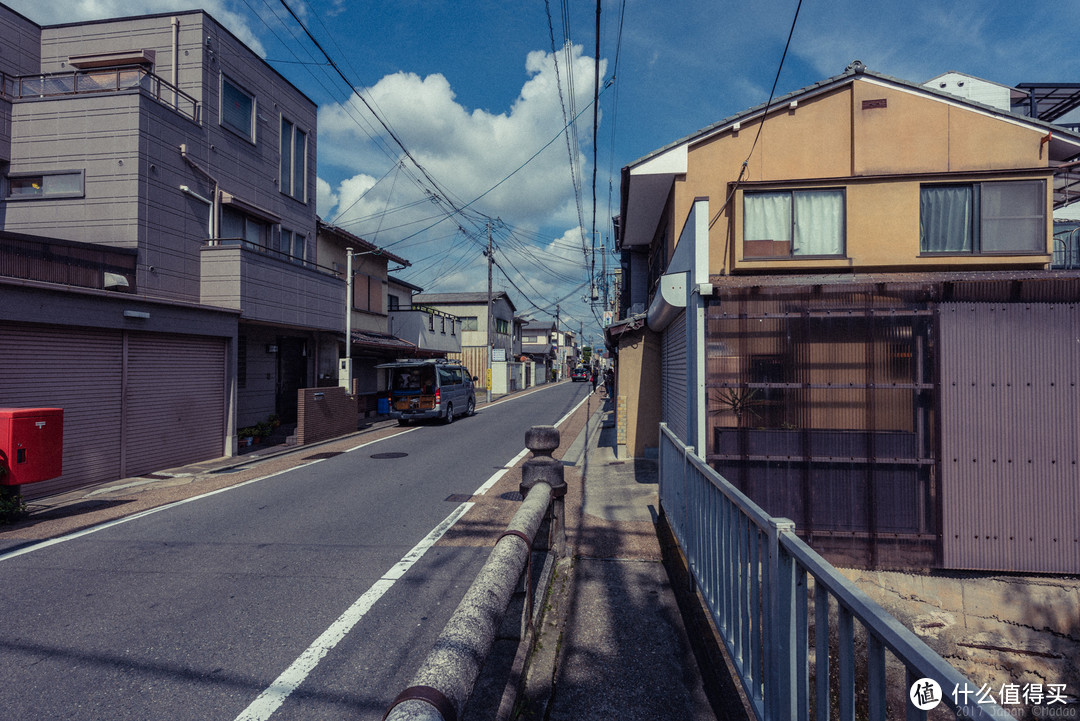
<point x="324" y="413"/>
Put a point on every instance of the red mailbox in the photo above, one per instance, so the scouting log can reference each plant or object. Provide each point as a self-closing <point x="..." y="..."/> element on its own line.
<point x="31" y="444"/>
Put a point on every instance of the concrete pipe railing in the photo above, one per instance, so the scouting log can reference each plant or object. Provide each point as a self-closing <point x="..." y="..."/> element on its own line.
<point x="442" y="686"/>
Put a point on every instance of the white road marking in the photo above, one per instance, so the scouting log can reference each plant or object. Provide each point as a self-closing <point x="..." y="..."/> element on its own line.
<point x="271" y="699"/>
<point x="500" y="473"/>
<point x="503" y="471"/>
<point x="142" y="514"/>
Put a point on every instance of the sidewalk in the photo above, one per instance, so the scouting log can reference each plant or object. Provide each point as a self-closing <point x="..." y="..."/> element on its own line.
<point x="613" y="643"/>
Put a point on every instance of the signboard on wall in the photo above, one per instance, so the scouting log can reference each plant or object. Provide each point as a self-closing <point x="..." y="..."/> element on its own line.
<point x="498" y="355"/>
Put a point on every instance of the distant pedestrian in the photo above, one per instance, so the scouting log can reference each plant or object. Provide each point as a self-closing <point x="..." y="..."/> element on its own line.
<point x="592" y="377"/>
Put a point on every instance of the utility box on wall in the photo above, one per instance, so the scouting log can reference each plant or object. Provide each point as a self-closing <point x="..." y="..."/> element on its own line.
<point x="31" y="444"/>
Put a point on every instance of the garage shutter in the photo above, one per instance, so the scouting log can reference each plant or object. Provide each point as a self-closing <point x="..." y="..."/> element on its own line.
<point x="79" y="371"/>
<point x="673" y="385"/>
<point x="174" y="401"/>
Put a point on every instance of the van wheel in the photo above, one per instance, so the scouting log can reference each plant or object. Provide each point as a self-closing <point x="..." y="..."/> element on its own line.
<point x="470" y="409"/>
<point x="449" y="413"/>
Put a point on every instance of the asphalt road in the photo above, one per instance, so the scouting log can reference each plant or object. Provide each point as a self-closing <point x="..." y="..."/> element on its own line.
<point x="314" y="593"/>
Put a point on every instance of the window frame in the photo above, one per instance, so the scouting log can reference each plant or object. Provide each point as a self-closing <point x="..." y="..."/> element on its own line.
<point x="289" y="241"/>
<point x="372" y="295"/>
<point x="251" y="221"/>
<point x="792" y="224"/>
<point x="44" y="194"/>
<point x="288" y="168"/>
<point x="223" y="118"/>
<point x="979" y="218"/>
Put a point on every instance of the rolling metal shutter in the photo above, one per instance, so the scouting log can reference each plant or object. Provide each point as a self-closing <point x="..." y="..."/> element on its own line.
<point x="168" y="411"/>
<point x="79" y="371"/>
<point x="175" y="412"/>
<point x="674" y="378"/>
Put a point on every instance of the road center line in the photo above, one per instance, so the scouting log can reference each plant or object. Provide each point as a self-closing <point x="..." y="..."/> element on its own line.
<point x="271" y="699"/>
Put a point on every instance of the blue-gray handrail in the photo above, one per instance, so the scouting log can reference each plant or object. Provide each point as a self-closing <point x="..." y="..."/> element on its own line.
<point x="755" y="574"/>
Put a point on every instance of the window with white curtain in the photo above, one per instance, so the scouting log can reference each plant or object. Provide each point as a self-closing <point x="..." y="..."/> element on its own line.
<point x="990" y="217"/>
<point x="793" y="223"/>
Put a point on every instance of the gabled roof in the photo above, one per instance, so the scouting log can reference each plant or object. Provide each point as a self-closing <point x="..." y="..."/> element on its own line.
<point x="462" y="298"/>
<point x="654" y="173"/>
<point x="357" y="242"/>
<point x="404" y="284"/>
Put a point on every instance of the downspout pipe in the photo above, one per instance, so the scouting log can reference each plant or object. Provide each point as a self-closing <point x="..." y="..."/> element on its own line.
<point x="215" y="210"/>
<point x="175" y="75"/>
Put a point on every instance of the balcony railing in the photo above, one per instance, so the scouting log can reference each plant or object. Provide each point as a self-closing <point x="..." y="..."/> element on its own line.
<point x="271" y="252"/>
<point x="1067" y="249"/>
<point x="97" y="81"/>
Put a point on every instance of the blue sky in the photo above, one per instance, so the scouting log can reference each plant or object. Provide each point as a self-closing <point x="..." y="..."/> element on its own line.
<point x="470" y="89"/>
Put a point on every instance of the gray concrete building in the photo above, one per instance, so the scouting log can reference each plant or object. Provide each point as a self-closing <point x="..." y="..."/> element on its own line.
<point x="158" y="277"/>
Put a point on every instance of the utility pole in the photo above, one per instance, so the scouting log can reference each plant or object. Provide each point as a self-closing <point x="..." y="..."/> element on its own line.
<point x="490" y="318"/>
<point x="558" y="342"/>
<point x="345" y="366"/>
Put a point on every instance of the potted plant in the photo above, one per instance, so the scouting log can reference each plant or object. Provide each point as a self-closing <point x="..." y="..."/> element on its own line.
<point x="246" y="435"/>
<point x="262" y="430"/>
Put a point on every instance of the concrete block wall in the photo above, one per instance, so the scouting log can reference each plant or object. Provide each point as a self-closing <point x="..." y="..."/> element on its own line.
<point x="995" y="628"/>
<point x="324" y="413"/>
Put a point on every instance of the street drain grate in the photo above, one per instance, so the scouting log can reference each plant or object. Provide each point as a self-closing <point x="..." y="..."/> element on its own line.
<point x="458" y="498"/>
<point x="512" y="496"/>
<point x="322" y="456"/>
<point x="389" y="455"/>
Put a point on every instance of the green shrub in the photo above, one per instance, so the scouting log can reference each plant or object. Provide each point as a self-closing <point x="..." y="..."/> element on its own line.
<point x="12" y="505"/>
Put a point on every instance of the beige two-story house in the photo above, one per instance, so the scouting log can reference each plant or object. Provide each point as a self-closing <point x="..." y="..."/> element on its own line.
<point x="851" y="314"/>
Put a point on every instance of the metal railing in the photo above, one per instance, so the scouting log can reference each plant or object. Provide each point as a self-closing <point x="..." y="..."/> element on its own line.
<point x="768" y="593"/>
<point x="254" y="247"/>
<point x="1067" y="249"/>
<point x="96" y="81"/>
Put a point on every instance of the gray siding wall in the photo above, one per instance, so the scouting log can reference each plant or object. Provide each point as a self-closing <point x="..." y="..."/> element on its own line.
<point x="5" y="132"/>
<point x="271" y="289"/>
<point x="129" y="147"/>
<point x="20" y="44"/>
<point x="20" y="54"/>
<point x="95" y="135"/>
